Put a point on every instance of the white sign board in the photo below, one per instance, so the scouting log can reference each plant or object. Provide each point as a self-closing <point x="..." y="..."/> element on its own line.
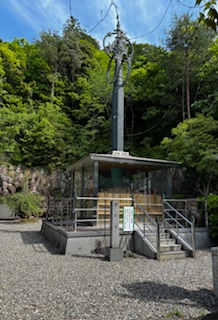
<point x="128" y="219"/>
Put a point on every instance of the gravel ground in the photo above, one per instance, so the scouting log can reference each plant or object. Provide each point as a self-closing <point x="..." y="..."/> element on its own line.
<point x="36" y="282"/>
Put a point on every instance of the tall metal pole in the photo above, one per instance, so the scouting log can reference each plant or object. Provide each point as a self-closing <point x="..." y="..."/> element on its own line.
<point x="118" y="111"/>
<point x="122" y="51"/>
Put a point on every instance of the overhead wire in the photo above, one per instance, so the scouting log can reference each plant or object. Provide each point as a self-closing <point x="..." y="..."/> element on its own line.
<point x="116" y="8"/>
<point x="157" y="26"/>
<point x="190" y="7"/>
<point x="102" y="19"/>
<point x="185" y="5"/>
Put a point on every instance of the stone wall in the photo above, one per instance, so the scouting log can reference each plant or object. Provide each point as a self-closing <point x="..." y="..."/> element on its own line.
<point x="14" y="179"/>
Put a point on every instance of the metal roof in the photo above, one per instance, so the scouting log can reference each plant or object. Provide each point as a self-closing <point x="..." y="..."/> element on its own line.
<point x="122" y="159"/>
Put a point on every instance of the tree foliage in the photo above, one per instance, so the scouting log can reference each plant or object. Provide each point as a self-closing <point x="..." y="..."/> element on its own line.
<point x="195" y="145"/>
<point x="209" y="14"/>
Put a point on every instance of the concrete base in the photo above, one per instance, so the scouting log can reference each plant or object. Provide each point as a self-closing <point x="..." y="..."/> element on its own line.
<point x="84" y="243"/>
<point x="141" y="247"/>
<point x="87" y="242"/>
<point x="115" y="254"/>
<point x="6" y="213"/>
<point x="202" y="238"/>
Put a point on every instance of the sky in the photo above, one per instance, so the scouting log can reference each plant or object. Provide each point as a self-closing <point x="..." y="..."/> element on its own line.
<point x="144" y="21"/>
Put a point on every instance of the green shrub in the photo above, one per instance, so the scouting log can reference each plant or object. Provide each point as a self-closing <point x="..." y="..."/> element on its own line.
<point x="3" y="200"/>
<point x="212" y="209"/>
<point x="25" y="204"/>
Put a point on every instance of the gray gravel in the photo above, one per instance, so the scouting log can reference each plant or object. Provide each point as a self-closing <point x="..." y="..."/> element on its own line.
<point x="36" y="282"/>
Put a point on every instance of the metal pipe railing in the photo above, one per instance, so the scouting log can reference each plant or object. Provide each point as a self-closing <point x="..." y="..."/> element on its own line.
<point x="146" y="226"/>
<point x="167" y="216"/>
<point x="158" y="241"/>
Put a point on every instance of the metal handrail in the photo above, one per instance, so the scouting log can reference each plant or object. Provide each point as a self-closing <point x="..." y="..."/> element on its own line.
<point x="145" y="213"/>
<point x="176" y="211"/>
<point x="76" y="210"/>
<point x="154" y="232"/>
<point x="168" y="217"/>
<point x="102" y="198"/>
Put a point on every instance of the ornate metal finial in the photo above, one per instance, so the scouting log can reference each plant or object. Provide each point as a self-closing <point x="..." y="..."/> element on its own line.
<point x="121" y="50"/>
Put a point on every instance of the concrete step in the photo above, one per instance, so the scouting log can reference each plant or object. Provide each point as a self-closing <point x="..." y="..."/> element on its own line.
<point x="170" y="247"/>
<point x="173" y="255"/>
<point x="164" y="241"/>
<point x="163" y="235"/>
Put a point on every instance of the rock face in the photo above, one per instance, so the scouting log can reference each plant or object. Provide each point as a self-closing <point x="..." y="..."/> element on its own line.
<point x="14" y="179"/>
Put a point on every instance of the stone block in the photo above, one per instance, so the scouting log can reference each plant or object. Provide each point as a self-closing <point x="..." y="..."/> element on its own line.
<point x="115" y="254"/>
<point x="6" y="213"/>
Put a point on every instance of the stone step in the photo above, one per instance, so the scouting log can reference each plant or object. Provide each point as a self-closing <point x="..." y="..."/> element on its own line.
<point x="173" y="255"/>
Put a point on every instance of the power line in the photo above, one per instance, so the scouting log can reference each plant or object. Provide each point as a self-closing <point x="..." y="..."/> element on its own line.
<point x="102" y="19"/>
<point x="185" y="5"/>
<point x="161" y="20"/>
<point x="190" y="7"/>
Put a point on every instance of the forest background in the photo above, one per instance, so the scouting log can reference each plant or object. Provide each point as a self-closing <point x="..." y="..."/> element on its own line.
<point x="55" y="102"/>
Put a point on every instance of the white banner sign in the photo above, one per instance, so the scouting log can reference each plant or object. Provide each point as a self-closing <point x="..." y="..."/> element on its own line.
<point x="128" y="219"/>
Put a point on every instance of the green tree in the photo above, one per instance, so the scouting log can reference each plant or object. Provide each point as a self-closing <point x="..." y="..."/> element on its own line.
<point x="195" y="145"/>
<point x="209" y="14"/>
<point x="188" y="43"/>
<point x="208" y="93"/>
<point x="150" y="108"/>
<point x="39" y="138"/>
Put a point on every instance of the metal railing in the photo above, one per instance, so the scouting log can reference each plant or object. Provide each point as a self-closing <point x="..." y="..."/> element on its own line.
<point x="96" y="211"/>
<point x="149" y="228"/>
<point x="179" y="226"/>
<point x="85" y="211"/>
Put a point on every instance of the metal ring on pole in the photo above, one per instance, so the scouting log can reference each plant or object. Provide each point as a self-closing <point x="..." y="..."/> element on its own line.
<point x="121" y="50"/>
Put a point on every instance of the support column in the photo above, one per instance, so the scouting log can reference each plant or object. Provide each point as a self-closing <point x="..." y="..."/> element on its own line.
<point x="96" y="179"/>
<point x="82" y="182"/>
<point x="169" y="183"/>
<point x="72" y="184"/>
<point x="83" y="213"/>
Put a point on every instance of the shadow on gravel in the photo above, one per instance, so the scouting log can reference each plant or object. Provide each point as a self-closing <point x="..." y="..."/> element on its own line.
<point x="34" y="238"/>
<point x="161" y="292"/>
<point x="211" y="316"/>
<point x="38" y="242"/>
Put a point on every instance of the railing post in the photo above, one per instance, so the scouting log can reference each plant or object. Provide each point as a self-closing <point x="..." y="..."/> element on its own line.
<point x="158" y="239"/>
<point x="144" y="225"/>
<point x="133" y="205"/>
<point x="133" y="200"/>
<point x="61" y="212"/>
<point x="177" y="231"/>
<point x="163" y="212"/>
<point x="105" y="215"/>
<point x="75" y="221"/>
<point x="193" y="237"/>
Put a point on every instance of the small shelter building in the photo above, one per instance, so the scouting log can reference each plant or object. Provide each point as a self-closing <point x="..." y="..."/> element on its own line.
<point x="122" y="173"/>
